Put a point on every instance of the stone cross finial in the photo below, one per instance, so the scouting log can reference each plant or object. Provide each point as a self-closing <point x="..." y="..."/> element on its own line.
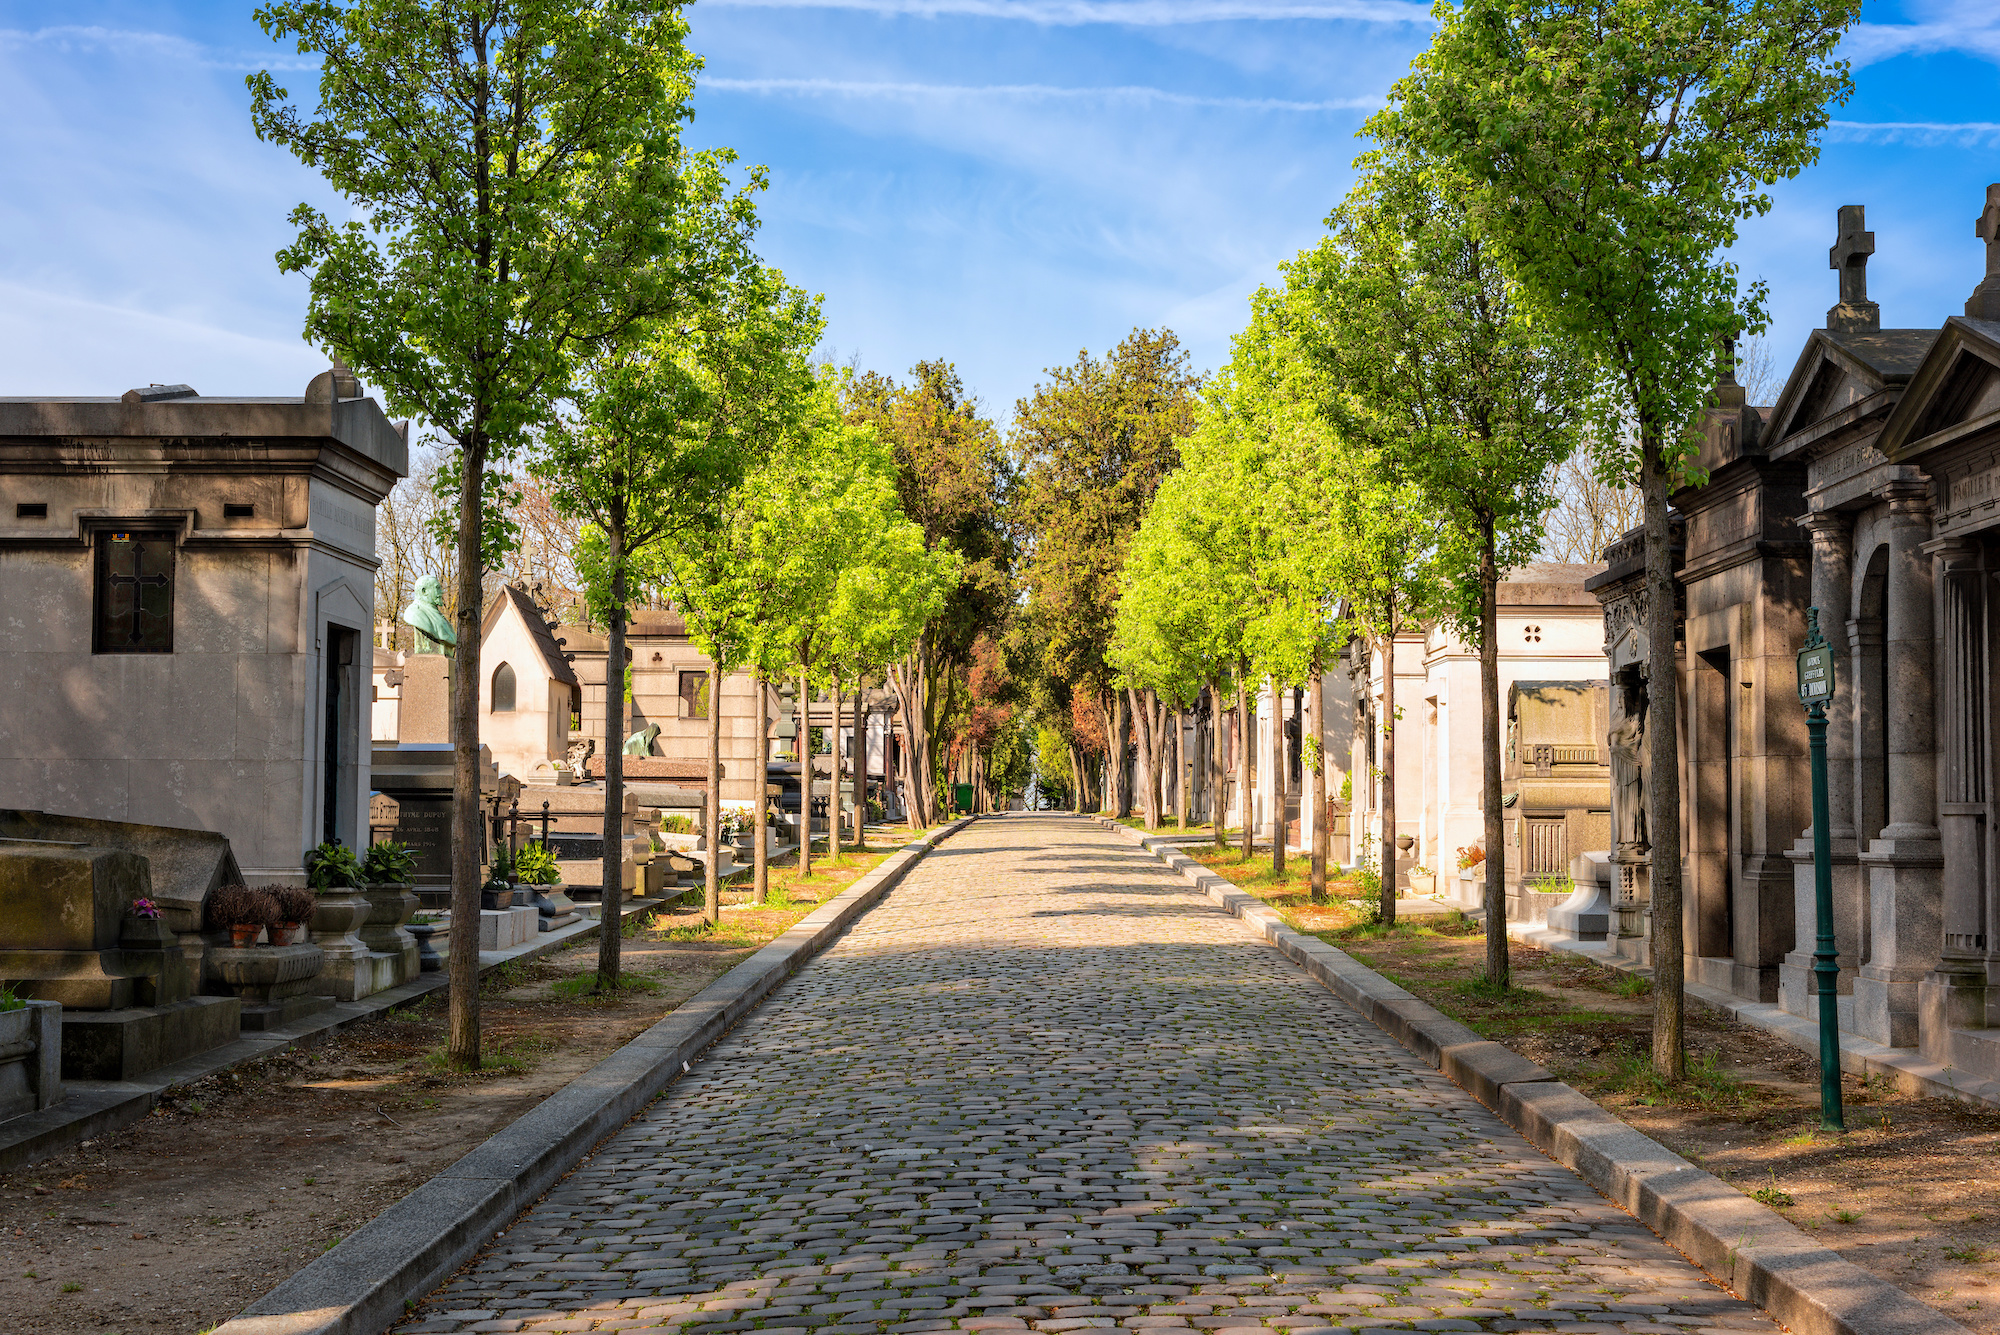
<point x="1985" y="300"/>
<point x="1854" y="313"/>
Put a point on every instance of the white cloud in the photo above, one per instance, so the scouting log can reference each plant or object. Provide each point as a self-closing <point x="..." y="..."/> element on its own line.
<point x="1963" y="134"/>
<point x="1030" y="92"/>
<point x="68" y="39"/>
<point x="1134" y="13"/>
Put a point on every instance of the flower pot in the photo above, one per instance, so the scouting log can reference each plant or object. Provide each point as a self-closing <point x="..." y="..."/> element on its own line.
<point x="284" y="933"/>
<point x="243" y="934"/>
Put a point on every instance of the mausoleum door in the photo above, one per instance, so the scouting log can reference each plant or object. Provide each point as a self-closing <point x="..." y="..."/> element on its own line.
<point x="1714" y="844"/>
<point x="1965" y="769"/>
<point x="339" y="782"/>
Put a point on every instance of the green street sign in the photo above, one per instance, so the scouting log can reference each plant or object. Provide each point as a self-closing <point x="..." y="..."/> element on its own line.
<point x="1815" y="665"/>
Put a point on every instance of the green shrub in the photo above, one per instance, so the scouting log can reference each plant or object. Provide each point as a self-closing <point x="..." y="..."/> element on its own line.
<point x="332" y="866"/>
<point x="388" y="863"/>
<point x="537" y="865"/>
<point x="10" y="1002"/>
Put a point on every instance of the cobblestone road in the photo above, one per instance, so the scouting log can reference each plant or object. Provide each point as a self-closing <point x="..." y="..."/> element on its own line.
<point x="1047" y="1085"/>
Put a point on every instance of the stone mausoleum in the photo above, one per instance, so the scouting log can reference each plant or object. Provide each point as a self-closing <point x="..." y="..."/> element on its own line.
<point x="187" y="591"/>
<point x="1870" y="490"/>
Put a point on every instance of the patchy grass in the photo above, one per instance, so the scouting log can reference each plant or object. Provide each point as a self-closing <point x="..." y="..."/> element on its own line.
<point x="584" y="987"/>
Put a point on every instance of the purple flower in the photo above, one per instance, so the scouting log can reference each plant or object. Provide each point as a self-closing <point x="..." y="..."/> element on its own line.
<point x="144" y="908"/>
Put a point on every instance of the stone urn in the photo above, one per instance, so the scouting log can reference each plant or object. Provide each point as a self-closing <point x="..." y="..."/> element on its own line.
<point x="349" y="972"/>
<point x="427" y="957"/>
<point x="389" y="907"/>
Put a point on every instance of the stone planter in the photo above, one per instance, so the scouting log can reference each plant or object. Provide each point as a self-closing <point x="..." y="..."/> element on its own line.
<point x="349" y="972"/>
<point x="1423" y="883"/>
<point x="394" y="949"/>
<point x="278" y="984"/>
<point x="30" y="1058"/>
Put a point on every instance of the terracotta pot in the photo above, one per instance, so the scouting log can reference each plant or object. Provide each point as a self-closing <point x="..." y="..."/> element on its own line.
<point x="244" y="933"/>
<point x="284" y="933"/>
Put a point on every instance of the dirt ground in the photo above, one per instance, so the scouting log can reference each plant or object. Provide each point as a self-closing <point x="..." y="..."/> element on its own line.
<point x="1909" y="1193"/>
<point x="177" y="1223"/>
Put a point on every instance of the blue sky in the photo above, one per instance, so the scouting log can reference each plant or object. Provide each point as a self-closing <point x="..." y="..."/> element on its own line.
<point x="997" y="182"/>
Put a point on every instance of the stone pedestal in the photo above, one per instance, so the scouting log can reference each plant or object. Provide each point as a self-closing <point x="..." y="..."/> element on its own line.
<point x="1904" y="880"/>
<point x="393" y="951"/>
<point x="1587" y="914"/>
<point x="1850" y="898"/>
<point x="30" y="1058"/>
<point x="349" y="971"/>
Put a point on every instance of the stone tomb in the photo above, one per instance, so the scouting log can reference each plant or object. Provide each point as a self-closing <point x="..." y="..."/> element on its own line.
<point x="1870" y="490"/>
<point x="129" y="986"/>
<point x="188" y="589"/>
<point x="1555" y="783"/>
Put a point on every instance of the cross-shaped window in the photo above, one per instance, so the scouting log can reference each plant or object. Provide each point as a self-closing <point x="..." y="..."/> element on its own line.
<point x="134" y="594"/>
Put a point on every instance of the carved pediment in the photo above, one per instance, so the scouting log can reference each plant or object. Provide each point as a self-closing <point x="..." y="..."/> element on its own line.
<point x="1837" y="370"/>
<point x="1954" y="395"/>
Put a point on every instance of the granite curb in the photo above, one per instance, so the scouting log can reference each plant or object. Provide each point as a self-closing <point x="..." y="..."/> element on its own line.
<point x="363" y="1285"/>
<point x="1748" y="1247"/>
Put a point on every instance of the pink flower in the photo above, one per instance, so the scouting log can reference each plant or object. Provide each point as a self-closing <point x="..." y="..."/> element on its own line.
<point x="144" y="908"/>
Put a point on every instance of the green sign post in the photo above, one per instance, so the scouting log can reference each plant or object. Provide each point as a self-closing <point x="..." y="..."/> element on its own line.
<point x="1815" y="689"/>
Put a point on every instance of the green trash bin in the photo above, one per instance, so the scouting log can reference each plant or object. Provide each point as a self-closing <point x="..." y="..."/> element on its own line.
<point x="961" y="797"/>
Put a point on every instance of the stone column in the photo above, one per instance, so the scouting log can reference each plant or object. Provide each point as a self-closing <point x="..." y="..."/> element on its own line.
<point x="1954" y="995"/>
<point x="1833" y="593"/>
<point x="1905" y="863"/>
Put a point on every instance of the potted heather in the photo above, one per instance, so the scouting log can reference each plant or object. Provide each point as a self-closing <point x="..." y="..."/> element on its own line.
<point x="242" y="912"/>
<point x="295" y="909"/>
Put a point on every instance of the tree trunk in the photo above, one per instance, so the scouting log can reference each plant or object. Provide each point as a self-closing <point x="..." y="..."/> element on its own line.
<point x="1183" y="799"/>
<point x="1489" y="741"/>
<point x="833" y="787"/>
<point x="1322" y="826"/>
<point x="1076" y="778"/>
<point x="805" y="782"/>
<point x="760" y="856"/>
<point x="912" y="690"/>
<point x="1281" y="775"/>
<point x="1142" y="732"/>
<point x="1243" y="744"/>
<point x="860" y="768"/>
<point x="1663" y="780"/>
<point x="1218" y="766"/>
<point x="609" y="938"/>
<point x="712" y="880"/>
<point x="468" y="836"/>
<point x="1389" y="771"/>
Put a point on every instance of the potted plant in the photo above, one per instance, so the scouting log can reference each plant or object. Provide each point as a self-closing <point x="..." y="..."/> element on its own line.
<point x="535" y="867"/>
<point x="243" y="912"/>
<point x="498" y="891"/>
<point x="295" y="909"/>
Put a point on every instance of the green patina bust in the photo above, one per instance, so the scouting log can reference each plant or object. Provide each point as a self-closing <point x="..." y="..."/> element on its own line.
<point x="640" y="743"/>
<point x="425" y="615"/>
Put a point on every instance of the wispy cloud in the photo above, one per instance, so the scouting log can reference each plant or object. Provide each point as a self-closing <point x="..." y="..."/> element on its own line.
<point x="1134" y="13"/>
<point x="1966" y="134"/>
<point x="1029" y="92"/>
<point x="72" y="38"/>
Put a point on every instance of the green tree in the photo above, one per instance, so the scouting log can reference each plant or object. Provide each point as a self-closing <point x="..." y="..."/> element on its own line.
<point x="519" y="187"/>
<point x="951" y="479"/>
<point x="1091" y="444"/>
<point x="1435" y="364"/>
<point x="666" y="424"/>
<point x="1613" y="147"/>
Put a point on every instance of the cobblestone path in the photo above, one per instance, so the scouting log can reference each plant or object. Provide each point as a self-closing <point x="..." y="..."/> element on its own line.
<point x="1047" y="1085"/>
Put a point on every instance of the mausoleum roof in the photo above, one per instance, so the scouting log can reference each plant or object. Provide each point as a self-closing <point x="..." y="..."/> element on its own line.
<point x="538" y="631"/>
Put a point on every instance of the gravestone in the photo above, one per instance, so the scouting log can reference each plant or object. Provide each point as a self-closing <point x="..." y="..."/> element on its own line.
<point x="417" y="778"/>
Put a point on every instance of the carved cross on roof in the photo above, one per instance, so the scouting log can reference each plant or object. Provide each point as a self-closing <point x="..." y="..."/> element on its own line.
<point x="1854" y="313"/>
<point x="1985" y="302"/>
